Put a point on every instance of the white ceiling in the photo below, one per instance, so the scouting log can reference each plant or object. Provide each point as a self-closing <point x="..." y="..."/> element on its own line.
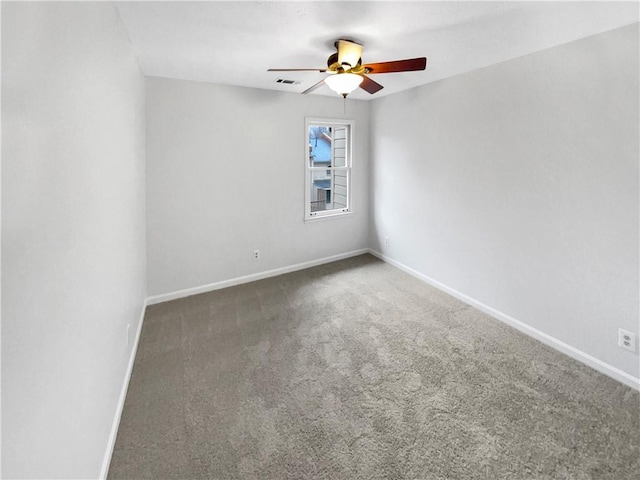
<point x="236" y="42"/>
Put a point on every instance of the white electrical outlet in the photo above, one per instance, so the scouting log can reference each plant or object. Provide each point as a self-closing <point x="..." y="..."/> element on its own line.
<point x="386" y="241"/>
<point x="256" y="254"/>
<point x="627" y="340"/>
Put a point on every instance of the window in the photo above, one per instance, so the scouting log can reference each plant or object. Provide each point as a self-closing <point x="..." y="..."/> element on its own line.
<point x="328" y="168"/>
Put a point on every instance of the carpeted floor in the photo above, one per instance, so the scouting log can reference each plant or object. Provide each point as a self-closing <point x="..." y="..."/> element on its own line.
<point x="356" y="370"/>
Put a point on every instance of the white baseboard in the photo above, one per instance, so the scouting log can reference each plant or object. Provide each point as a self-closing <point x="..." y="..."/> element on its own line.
<point x="185" y="293"/>
<point x="165" y="297"/>
<point x="573" y="352"/>
<point x="123" y="395"/>
<point x="553" y="342"/>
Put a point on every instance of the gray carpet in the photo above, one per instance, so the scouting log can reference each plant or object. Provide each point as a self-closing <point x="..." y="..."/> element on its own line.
<point x="355" y="370"/>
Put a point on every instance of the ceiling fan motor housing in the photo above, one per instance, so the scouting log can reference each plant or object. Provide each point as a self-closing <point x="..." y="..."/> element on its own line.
<point x="334" y="66"/>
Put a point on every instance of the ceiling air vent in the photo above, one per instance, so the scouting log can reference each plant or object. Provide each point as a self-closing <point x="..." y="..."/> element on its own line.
<point x="287" y="82"/>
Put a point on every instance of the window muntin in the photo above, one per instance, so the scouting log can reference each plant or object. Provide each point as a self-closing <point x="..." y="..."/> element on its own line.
<point x="328" y="167"/>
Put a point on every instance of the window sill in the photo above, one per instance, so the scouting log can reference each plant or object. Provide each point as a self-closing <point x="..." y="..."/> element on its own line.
<point x="330" y="216"/>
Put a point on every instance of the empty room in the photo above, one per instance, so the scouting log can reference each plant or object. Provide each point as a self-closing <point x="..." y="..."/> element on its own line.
<point x="320" y="240"/>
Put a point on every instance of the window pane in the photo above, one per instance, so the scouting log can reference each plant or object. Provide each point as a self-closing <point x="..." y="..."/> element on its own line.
<point x="321" y="190"/>
<point x="319" y="146"/>
<point x="340" y="192"/>
<point x="339" y="146"/>
<point x="329" y="190"/>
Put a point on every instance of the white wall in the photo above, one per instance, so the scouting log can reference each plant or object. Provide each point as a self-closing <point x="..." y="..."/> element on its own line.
<point x="517" y="185"/>
<point x="225" y="176"/>
<point x="73" y="244"/>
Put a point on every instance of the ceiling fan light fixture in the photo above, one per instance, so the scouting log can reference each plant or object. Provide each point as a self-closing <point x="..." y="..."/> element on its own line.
<point x="343" y="83"/>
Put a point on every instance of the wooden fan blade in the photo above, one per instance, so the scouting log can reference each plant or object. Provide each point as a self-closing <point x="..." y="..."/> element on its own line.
<point x="349" y="52"/>
<point x="369" y="85"/>
<point x="312" y="88"/>
<point x="297" y="70"/>
<point x="408" y="65"/>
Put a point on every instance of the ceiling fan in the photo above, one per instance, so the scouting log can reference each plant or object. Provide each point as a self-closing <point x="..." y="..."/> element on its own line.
<point x="348" y="72"/>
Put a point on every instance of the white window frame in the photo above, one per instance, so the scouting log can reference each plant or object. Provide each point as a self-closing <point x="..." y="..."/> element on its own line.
<point x="334" y="213"/>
